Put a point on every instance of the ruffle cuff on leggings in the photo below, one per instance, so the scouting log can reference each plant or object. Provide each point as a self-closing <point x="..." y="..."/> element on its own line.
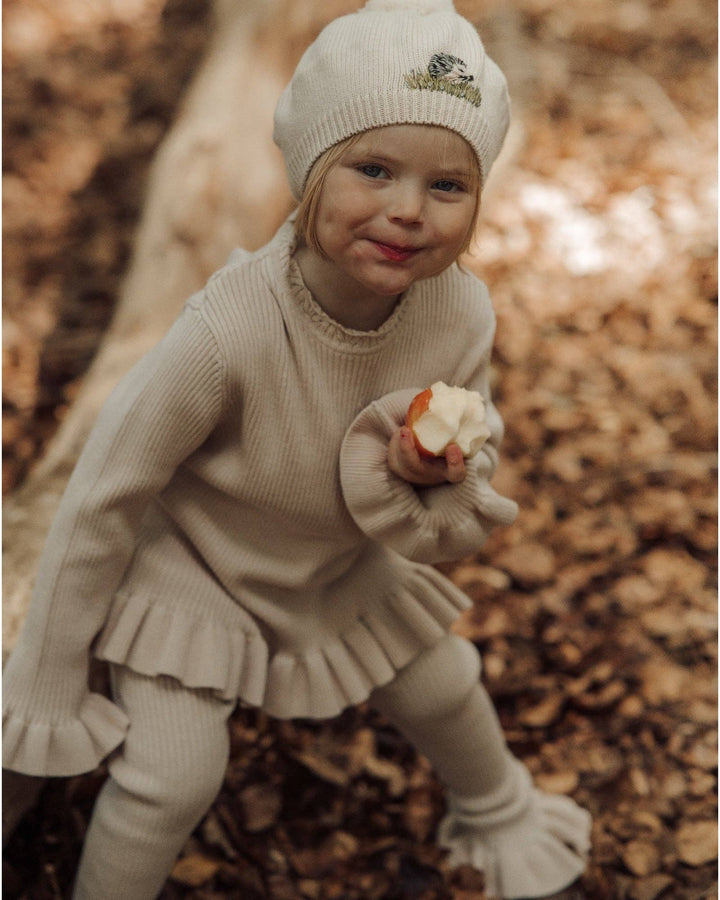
<point x="527" y="843"/>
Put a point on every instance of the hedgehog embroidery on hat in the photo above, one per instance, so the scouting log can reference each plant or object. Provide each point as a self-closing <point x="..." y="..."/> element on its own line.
<point x="446" y="73"/>
<point x="445" y="65"/>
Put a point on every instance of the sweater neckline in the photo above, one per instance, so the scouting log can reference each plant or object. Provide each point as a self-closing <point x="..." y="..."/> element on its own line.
<point x="328" y="329"/>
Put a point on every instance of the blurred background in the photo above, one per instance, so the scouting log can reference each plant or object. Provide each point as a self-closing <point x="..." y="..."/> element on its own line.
<point x="595" y="613"/>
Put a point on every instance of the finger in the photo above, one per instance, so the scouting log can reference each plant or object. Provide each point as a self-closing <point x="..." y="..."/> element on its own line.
<point x="405" y="461"/>
<point x="403" y="458"/>
<point x="394" y="455"/>
<point x="455" y="464"/>
<point x="420" y="471"/>
<point x="408" y="450"/>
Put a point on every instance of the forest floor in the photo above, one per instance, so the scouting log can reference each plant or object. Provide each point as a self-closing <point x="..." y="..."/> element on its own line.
<point x="595" y="613"/>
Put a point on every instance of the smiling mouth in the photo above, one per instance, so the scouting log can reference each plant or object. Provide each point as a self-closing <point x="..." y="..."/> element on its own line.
<point x="397" y="254"/>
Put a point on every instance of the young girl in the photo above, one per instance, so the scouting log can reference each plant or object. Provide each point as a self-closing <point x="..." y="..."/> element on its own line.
<point x="250" y="520"/>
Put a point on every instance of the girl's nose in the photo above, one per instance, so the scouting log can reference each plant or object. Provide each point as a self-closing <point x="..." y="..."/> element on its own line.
<point x="405" y="204"/>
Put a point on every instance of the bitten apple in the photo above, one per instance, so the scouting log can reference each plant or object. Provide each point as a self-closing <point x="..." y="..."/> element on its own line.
<point x="442" y="415"/>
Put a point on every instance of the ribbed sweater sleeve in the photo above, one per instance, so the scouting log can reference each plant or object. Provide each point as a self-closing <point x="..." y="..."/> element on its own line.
<point x="428" y="524"/>
<point x="156" y="417"/>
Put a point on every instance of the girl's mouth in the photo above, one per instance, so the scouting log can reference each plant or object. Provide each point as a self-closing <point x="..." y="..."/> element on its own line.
<point x="397" y="254"/>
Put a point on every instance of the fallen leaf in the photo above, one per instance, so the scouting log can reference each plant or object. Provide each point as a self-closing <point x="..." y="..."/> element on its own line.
<point x="194" y="870"/>
<point x="323" y="767"/>
<point x="261" y="804"/>
<point x="557" y="782"/>
<point x="641" y="857"/>
<point x="697" y="842"/>
<point x="388" y="772"/>
<point x="418" y="814"/>
<point x="651" y="887"/>
<point x="529" y="563"/>
<point x="544" y="713"/>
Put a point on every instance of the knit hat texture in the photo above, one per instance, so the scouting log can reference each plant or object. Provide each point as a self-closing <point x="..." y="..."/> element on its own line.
<point x="392" y="62"/>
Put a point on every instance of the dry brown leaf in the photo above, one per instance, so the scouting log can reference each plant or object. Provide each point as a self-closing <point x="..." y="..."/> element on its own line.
<point x="697" y="842"/>
<point x="664" y="680"/>
<point x="675" y="569"/>
<point x="544" y="713"/>
<point x="636" y="592"/>
<point x="641" y="857"/>
<point x="651" y="888"/>
<point x="359" y="750"/>
<point x="343" y="845"/>
<point x="557" y="782"/>
<point x="261" y="804"/>
<point x="701" y="784"/>
<point x="602" y="698"/>
<point x="418" y="814"/>
<point x="323" y="767"/>
<point x="640" y="782"/>
<point x="703" y="753"/>
<point x="529" y="563"/>
<point x="648" y="821"/>
<point x="466" y="575"/>
<point x="309" y="888"/>
<point x="216" y="836"/>
<point x="389" y="772"/>
<point x="194" y="870"/>
<point x="631" y="707"/>
<point x="315" y="862"/>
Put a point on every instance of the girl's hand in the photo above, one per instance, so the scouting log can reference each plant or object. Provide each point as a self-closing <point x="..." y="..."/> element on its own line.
<point x="405" y="461"/>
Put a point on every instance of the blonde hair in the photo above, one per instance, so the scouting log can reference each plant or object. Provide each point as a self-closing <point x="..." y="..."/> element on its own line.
<point x="306" y="216"/>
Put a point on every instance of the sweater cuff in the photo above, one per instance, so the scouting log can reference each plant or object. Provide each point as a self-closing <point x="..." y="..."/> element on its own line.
<point x="52" y="724"/>
<point x="67" y="747"/>
<point x="425" y="524"/>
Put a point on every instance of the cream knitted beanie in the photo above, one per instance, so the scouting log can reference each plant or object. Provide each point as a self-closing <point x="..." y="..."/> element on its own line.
<point x="389" y="63"/>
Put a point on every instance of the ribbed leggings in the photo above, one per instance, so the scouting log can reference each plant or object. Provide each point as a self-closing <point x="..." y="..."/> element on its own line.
<point x="171" y="766"/>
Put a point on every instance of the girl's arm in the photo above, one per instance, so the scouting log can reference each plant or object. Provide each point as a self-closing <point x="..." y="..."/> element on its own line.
<point x="429" y="511"/>
<point x="157" y="416"/>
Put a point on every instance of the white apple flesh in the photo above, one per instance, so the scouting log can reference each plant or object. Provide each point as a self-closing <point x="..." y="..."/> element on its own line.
<point x="453" y="415"/>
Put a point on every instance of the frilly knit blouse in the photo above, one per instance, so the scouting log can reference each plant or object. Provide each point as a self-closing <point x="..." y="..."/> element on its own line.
<point x="232" y="521"/>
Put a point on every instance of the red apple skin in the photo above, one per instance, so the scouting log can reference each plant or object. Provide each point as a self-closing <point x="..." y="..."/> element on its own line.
<point x="418" y="406"/>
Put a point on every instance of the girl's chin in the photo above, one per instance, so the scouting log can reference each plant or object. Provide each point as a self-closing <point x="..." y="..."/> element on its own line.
<point x="387" y="293"/>
<point x="387" y="285"/>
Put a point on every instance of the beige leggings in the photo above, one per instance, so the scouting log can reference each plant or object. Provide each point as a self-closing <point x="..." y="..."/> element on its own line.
<point x="162" y="782"/>
<point x="171" y="766"/>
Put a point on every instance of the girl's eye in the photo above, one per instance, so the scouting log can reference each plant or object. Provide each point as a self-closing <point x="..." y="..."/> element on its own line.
<point x="447" y="186"/>
<point x="372" y="171"/>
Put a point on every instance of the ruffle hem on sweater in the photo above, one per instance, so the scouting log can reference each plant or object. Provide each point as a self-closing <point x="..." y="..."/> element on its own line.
<point x="154" y="639"/>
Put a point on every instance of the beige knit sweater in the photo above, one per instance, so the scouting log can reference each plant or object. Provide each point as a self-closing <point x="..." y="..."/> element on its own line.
<point x="232" y="521"/>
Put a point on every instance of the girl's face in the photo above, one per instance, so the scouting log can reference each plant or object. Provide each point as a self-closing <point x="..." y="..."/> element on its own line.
<point x="395" y="209"/>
